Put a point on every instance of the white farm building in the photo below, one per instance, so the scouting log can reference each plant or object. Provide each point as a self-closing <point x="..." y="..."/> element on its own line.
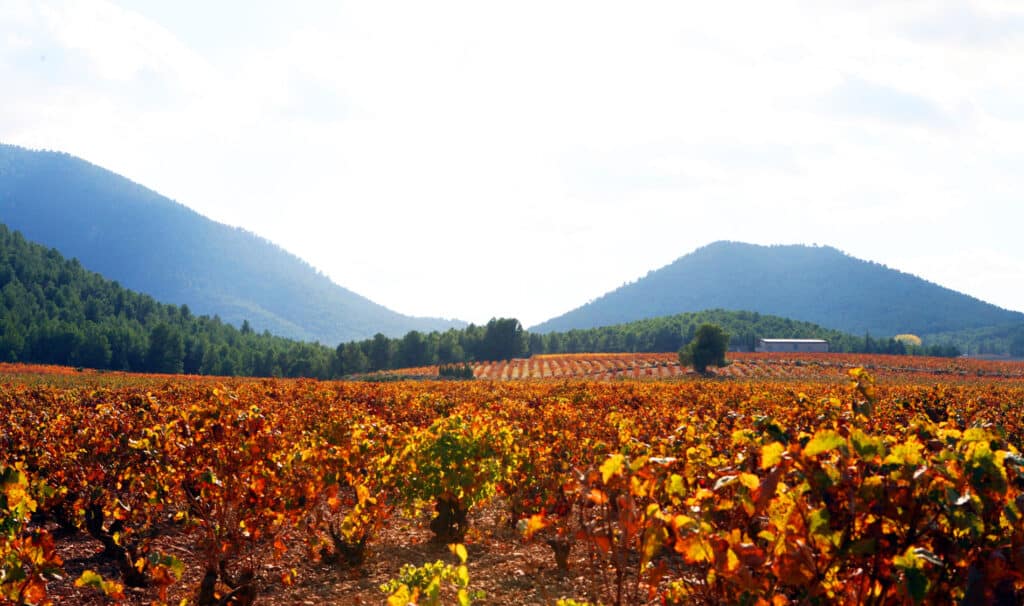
<point x="791" y="345"/>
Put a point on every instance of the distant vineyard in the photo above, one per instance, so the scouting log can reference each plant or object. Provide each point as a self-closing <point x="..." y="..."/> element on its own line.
<point x="802" y="366"/>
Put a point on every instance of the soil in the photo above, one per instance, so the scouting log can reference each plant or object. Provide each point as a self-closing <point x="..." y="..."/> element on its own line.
<point x="507" y="569"/>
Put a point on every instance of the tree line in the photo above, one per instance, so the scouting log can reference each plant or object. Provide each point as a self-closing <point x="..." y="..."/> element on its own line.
<point x="670" y="333"/>
<point x="54" y="311"/>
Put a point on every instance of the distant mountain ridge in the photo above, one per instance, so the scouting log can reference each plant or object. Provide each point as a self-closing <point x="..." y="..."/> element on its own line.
<point x="154" y="245"/>
<point x="813" y="284"/>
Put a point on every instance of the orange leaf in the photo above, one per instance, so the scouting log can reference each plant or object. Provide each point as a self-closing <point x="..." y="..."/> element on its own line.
<point x="597" y="497"/>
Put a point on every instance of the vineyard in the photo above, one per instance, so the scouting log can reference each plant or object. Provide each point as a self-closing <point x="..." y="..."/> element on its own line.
<point x="785" y="480"/>
<point x="802" y="366"/>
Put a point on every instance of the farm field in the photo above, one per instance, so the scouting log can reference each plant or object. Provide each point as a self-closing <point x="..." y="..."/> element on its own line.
<point x="805" y="479"/>
<point x="802" y="366"/>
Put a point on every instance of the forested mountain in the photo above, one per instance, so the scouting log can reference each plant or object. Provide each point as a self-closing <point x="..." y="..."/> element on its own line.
<point x="814" y="284"/>
<point x="54" y="311"/>
<point x="156" y="246"/>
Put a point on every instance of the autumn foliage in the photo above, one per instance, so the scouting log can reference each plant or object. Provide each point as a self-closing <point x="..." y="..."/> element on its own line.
<point x="688" y="492"/>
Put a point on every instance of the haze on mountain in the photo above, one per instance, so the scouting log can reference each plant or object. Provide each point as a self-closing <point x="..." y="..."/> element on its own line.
<point x="809" y="283"/>
<point x="153" y="245"/>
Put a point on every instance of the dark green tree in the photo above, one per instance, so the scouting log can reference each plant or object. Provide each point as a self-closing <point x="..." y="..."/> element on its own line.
<point x="504" y="339"/>
<point x="350" y="359"/>
<point x="413" y="350"/>
<point x="94" y="350"/>
<point x="1017" y="344"/>
<point x="707" y="347"/>
<point x="380" y="352"/>
<point x="166" y="350"/>
<point x="449" y="349"/>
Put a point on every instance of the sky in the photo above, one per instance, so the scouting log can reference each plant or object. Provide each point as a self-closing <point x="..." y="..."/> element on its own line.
<point x="516" y="159"/>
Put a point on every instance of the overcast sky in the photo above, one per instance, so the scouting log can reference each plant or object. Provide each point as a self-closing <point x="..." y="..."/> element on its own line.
<point x="477" y="159"/>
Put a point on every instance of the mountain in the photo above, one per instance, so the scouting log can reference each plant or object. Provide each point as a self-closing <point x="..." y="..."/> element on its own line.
<point x="156" y="246"/>
<point x="809" y="283"/>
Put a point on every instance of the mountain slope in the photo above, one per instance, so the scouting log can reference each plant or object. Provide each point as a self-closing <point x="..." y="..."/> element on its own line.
<point x="54" y="311"/>
<point x="154" y="245"/>
<point x="814" y="284"/>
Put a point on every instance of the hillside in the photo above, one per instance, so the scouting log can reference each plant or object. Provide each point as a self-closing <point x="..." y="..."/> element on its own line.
<point x="154" y="245"/>
<point x="669" y="333"/>
<point x="814" y="284"/>
<point x="54" y="311"/>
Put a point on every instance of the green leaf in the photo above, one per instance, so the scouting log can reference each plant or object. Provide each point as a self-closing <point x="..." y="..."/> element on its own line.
<point x="90" y="578"/>
<point x="824" y="440"/>
<point x="917" y="584"/>
<point x="866" y="446"/>
<point x="820" y="522"/>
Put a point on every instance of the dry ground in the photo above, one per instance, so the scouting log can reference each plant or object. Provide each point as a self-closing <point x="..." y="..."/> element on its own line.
<point x="509" y="570"/>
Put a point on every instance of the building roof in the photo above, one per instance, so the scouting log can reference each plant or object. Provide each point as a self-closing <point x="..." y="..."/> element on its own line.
<point x="794" y="340"/>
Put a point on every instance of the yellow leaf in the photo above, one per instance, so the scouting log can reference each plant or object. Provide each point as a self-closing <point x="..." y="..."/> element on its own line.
<point x="401" y="597"/>
<point x="674" y="485"/>
<point x="771" y="454"/>
<point x="750" y="481"/>
<point x="533" y="525"/>
<point x="638" y="463"/>
<point x="460" y="550"/>
<point x="694" y="550"/>
<point x="612" y="466"/>
<point x="732" y="561"/>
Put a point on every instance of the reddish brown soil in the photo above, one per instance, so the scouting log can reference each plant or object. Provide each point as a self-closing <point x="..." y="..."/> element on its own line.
<point x="509" y="570"/>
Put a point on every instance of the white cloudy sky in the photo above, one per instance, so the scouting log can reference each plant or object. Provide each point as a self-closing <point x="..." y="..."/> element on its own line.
<point x="476" y="159"/>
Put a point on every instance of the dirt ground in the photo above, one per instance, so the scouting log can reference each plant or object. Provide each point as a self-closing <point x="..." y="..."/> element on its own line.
<point x="508" y="570"/>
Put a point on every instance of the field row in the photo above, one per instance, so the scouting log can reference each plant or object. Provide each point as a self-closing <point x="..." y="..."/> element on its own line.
<point x="742" y="365"/>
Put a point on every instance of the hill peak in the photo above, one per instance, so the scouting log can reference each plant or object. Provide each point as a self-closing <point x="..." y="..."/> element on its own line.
<point x="156" y="246"/>
<point x="819" y="284"/>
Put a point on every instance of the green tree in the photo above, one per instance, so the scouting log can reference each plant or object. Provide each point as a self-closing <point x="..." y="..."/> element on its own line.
<point x="449" y="349"/>
<point x="350" y="359"/>
<point x="1017" y="344"/>
<point x="707" y="347"/>
<point x="380" y="352"/>
<point x="413" y="350"/>
<point x="94" y="349"/>
<point x="503" y="339"/>
<point x="166" y="350"/>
